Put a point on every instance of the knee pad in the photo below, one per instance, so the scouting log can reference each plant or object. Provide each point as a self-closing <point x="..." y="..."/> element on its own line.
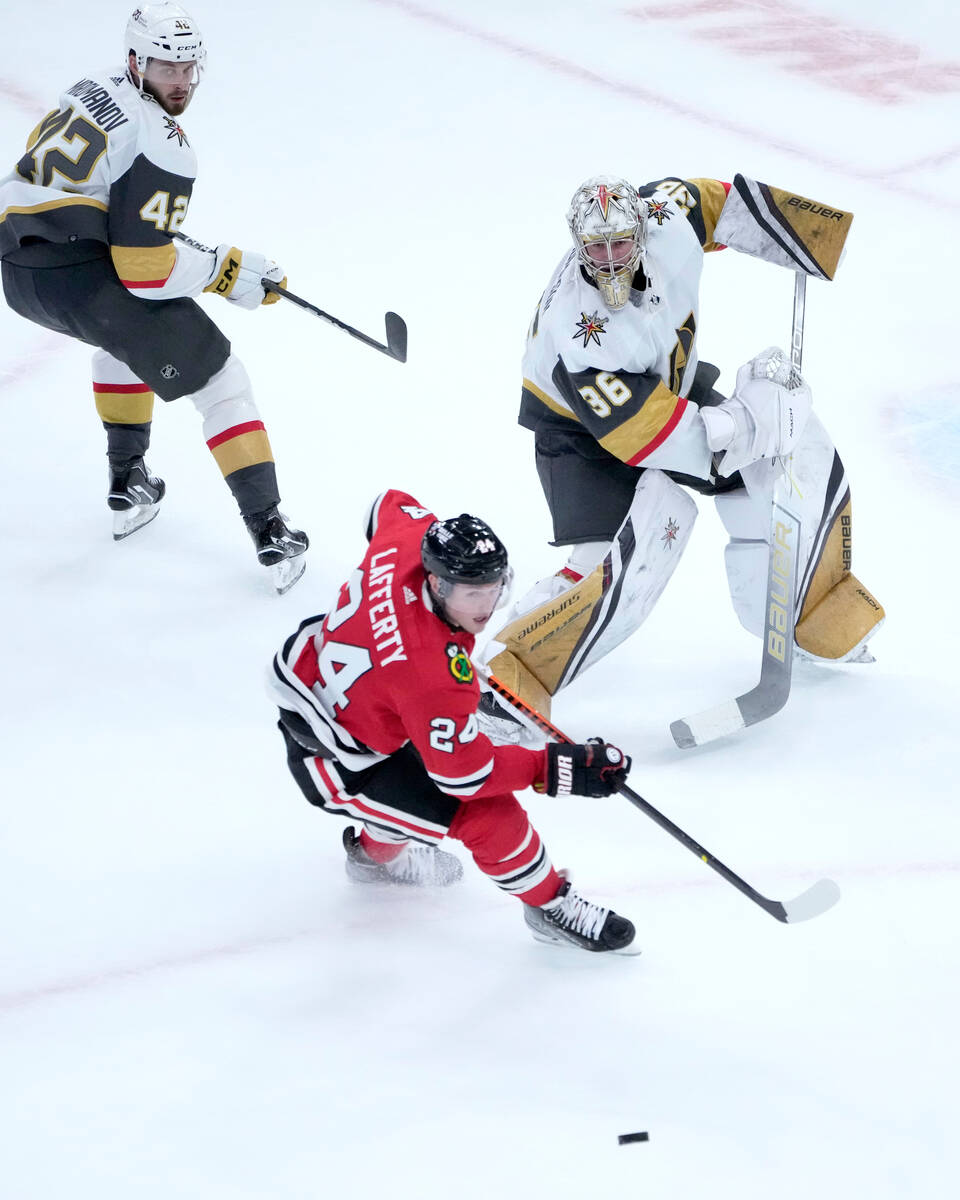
<point x="226" y="399"/>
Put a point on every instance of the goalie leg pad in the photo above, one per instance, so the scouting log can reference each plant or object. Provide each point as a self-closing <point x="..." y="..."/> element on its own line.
<point x="555" y="638"/>
<point x="839" y="626"/>
<point x="820" y="495"/>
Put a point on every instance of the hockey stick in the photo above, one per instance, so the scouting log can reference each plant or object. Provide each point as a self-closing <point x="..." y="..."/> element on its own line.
<point x="816" y="900"/>
<point x="396" y="346"/>
<point x="776" y="664"/>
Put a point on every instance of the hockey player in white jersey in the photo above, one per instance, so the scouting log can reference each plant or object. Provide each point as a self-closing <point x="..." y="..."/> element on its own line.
<point x="87" y="223"/>
<point x="626" y="422"/>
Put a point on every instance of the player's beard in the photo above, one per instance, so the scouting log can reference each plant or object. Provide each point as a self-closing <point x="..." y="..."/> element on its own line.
<point x="173" y="108"/>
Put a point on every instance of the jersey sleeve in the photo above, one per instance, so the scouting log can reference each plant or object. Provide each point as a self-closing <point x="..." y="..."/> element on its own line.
<point x="637" y="418"/>
<point x="700" y="201"/>
<point x="143" y="202"/>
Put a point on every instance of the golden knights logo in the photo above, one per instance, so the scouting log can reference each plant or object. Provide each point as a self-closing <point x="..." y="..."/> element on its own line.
<point x="670" y="531"/>
<point x="603" y="199"/>
<point x="461" y="668"/>
<point x="175" y="131"/>
<point x="657" y="211"/>
<point x="589" y="328"/>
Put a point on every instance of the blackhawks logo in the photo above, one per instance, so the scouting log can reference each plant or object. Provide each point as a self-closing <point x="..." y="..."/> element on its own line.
<point x="590" y="327"/>
<point x="461" y="668"/>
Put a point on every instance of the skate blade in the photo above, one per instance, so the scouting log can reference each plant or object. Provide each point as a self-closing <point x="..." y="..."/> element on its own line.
<point x="286" y="572"/>
<point x="129" y="520"/>
<point x="548" y="940"/>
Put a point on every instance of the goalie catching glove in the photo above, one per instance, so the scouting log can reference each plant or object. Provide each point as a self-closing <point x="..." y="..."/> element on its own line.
<point x="238" y="276"/>
<point x="593" y="769"/>
<point x="764" y="417"/>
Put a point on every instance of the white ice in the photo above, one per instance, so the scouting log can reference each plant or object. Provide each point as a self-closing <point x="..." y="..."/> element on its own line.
<point x="194" y="1002"/>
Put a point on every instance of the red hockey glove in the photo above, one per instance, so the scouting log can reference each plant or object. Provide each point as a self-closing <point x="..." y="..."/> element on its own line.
<point x="593" y="769"/>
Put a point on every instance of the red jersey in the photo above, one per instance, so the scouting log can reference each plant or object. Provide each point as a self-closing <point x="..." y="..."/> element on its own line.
<point x="383" y="668"/>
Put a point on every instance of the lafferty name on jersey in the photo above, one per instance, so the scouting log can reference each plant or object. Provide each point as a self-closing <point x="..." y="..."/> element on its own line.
<point x="99" y="104"/>
<point x="383" y="614"/>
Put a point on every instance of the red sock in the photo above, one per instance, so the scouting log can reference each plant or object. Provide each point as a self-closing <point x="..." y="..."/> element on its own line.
<point x="380" y="852"/>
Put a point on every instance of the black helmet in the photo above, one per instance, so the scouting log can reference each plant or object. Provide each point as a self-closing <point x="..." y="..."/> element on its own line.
<point x="463" y="549"/>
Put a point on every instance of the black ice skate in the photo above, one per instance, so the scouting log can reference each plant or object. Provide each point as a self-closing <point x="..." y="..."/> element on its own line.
<point x="569" y="920"/>
<point x="279" y="547"/>
<point x="134" y="497"/>
<point x="415" y="866"/>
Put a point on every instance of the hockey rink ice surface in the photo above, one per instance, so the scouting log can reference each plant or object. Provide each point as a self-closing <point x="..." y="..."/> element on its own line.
<point x="194" y="1002"/>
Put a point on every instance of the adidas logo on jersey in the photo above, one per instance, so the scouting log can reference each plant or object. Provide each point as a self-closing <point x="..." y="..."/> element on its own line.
<point x="408" y="596"/>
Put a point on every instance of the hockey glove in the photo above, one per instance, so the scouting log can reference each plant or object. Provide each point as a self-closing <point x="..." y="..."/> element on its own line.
<point x="237" y="277"/>
<point x="764" y="417"/>
<point x="593" y="769"/>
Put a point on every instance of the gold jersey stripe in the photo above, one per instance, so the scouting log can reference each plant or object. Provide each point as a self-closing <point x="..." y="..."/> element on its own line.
<point x="244" y="451"/>
<point x="144" y="266"/>
<point x="125" y="408"/>
<point x="66" y="202"/>
<point x="553" y="405"/>
<point x="637" y="432"/>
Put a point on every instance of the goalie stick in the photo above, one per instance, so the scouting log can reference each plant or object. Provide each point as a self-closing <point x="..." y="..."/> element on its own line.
<point x="776" y="664"/>
<point x="816" y="900"/>
<point x="396" y="328"/>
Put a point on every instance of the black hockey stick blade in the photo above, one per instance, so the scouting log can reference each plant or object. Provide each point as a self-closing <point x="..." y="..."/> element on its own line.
<point x="397" y="336"/>
<point x="773" y="688"/>
<point x="823" y="895"/>
<point x="396" y="346"/>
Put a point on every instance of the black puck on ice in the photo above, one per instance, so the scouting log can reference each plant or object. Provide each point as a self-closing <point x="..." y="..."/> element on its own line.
<point x="623" y="1138"/>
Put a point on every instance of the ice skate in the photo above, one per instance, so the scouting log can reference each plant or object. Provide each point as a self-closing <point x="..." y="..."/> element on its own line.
<point x="569" y="920"/>
<point x="134" y="497"/>
<point x="415" y="866"/>
<point x="279" y="548"/>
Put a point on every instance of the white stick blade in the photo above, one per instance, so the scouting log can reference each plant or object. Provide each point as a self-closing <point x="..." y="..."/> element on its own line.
<point x="813" y="902"/>
<point x="708" y="725"/>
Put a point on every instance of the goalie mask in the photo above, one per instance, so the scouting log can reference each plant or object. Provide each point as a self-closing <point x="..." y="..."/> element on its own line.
<point x="161" y="35"/>
<point x="471" y="568"/>
<point x="608" y="224"/>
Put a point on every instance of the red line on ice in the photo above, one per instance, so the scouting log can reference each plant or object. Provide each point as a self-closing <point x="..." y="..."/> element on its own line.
<point x="574" y="70"/>
<point x="13" y="1001"/>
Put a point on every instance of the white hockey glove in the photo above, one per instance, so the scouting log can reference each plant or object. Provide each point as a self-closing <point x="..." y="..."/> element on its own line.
<point x="764" y="417"/>
<point x="237" y="277"/>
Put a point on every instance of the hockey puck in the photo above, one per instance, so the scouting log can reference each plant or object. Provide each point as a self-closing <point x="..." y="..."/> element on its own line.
<point x="623" y="1138"/>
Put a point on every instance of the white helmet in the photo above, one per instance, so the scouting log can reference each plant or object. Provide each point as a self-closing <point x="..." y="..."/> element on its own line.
<point x="167" y="32"/>
<point x="608" y="223"/>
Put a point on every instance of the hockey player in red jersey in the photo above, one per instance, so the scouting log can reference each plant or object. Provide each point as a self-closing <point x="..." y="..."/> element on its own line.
<point x="378" y="707"/>
<point x="87" y="223"/>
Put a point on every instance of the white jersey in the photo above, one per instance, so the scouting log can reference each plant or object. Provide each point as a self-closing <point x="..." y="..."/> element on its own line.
<point x="109" y="165"/>
<point x="624" y="376"/>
